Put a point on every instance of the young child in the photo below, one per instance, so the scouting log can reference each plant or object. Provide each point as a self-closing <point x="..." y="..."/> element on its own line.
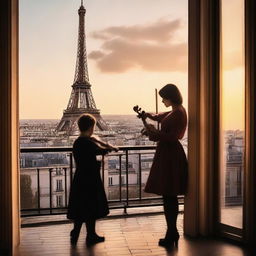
<point x="87" y="199"/>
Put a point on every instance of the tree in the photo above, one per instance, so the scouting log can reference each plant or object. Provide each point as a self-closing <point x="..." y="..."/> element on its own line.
<point x="26" y="195"/>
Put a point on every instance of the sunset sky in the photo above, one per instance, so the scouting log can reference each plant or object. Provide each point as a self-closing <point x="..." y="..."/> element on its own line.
<point x="133" y="47"/>
<point x="233" y="84"/>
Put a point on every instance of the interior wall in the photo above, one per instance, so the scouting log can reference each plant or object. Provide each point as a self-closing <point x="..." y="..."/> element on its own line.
<point x="209" y="115"/>
<point x="9" y="146"/>
<point x="201" y="204"/>
<point x="191" y="205"/>
<point x="250" y="122"/>
<point x="203" y="122"/>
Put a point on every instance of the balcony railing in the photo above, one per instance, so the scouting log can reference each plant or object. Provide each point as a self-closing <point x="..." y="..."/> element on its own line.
<point x="40" y="193"/>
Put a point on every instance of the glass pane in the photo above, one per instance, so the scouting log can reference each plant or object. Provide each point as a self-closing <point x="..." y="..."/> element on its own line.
<point x="232" y="112"/>
<point x="128" y="55"/>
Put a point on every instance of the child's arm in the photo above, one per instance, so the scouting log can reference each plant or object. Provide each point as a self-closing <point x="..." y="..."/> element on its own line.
<point x="104" y="145"/>
<point x="102" y="148"/>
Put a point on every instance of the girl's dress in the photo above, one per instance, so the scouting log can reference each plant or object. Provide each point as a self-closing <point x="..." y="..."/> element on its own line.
<point x="87" y="199"/>
<point x="168" y="174"/>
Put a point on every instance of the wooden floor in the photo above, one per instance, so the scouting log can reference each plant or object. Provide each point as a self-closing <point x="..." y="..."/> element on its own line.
<point x="137" y="236"/>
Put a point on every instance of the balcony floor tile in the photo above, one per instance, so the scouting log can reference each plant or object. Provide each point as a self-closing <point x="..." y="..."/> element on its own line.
<point x="134" y="236"/>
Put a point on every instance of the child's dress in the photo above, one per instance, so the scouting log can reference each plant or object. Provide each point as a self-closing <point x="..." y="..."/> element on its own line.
<point x="87" y="198"/>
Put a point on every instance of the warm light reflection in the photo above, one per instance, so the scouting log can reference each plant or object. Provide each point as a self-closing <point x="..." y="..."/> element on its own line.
<point x="233" y="99"/>
<point x="232" y="112"/>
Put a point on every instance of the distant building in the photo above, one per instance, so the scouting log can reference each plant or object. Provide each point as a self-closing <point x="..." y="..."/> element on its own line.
<point x="234" y="170"/>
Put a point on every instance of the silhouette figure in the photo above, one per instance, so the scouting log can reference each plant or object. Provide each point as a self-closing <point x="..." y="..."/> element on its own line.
<point x="168" y="174"/>
<point x="87" y="199"/>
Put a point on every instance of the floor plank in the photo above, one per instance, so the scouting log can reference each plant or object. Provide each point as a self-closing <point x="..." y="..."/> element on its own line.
<point x="134" y="236"/>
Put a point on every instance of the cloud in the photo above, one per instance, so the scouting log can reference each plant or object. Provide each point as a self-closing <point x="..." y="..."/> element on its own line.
<point x="161" y="30"/>
<point x="150" y="47"/>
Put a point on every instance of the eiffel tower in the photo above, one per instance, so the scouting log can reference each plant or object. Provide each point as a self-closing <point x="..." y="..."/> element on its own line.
<point x="81" y="100"/>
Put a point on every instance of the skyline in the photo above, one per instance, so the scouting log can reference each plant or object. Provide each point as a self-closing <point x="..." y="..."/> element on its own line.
<point x="130" y="53"/>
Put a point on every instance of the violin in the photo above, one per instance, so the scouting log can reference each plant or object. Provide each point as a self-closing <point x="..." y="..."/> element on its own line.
<point x="104" y="144"/>
<point x="142" y="115"/>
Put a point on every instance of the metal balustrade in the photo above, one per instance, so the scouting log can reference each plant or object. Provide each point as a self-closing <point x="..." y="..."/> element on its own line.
<point x="42" y="192"/>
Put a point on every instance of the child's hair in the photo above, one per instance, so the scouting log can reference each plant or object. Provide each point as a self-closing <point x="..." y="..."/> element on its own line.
<point x="85" y="121"/>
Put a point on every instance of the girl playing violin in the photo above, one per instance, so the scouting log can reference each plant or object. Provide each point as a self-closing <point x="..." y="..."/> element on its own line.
<point x="168" y="174"/>
<point x="87" y="199"/>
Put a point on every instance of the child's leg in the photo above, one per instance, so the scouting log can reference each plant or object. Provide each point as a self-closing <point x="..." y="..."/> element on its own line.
<point x="75" y="232"/>
<point x="90" y="227"/>
<point x="77" y="226"/>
